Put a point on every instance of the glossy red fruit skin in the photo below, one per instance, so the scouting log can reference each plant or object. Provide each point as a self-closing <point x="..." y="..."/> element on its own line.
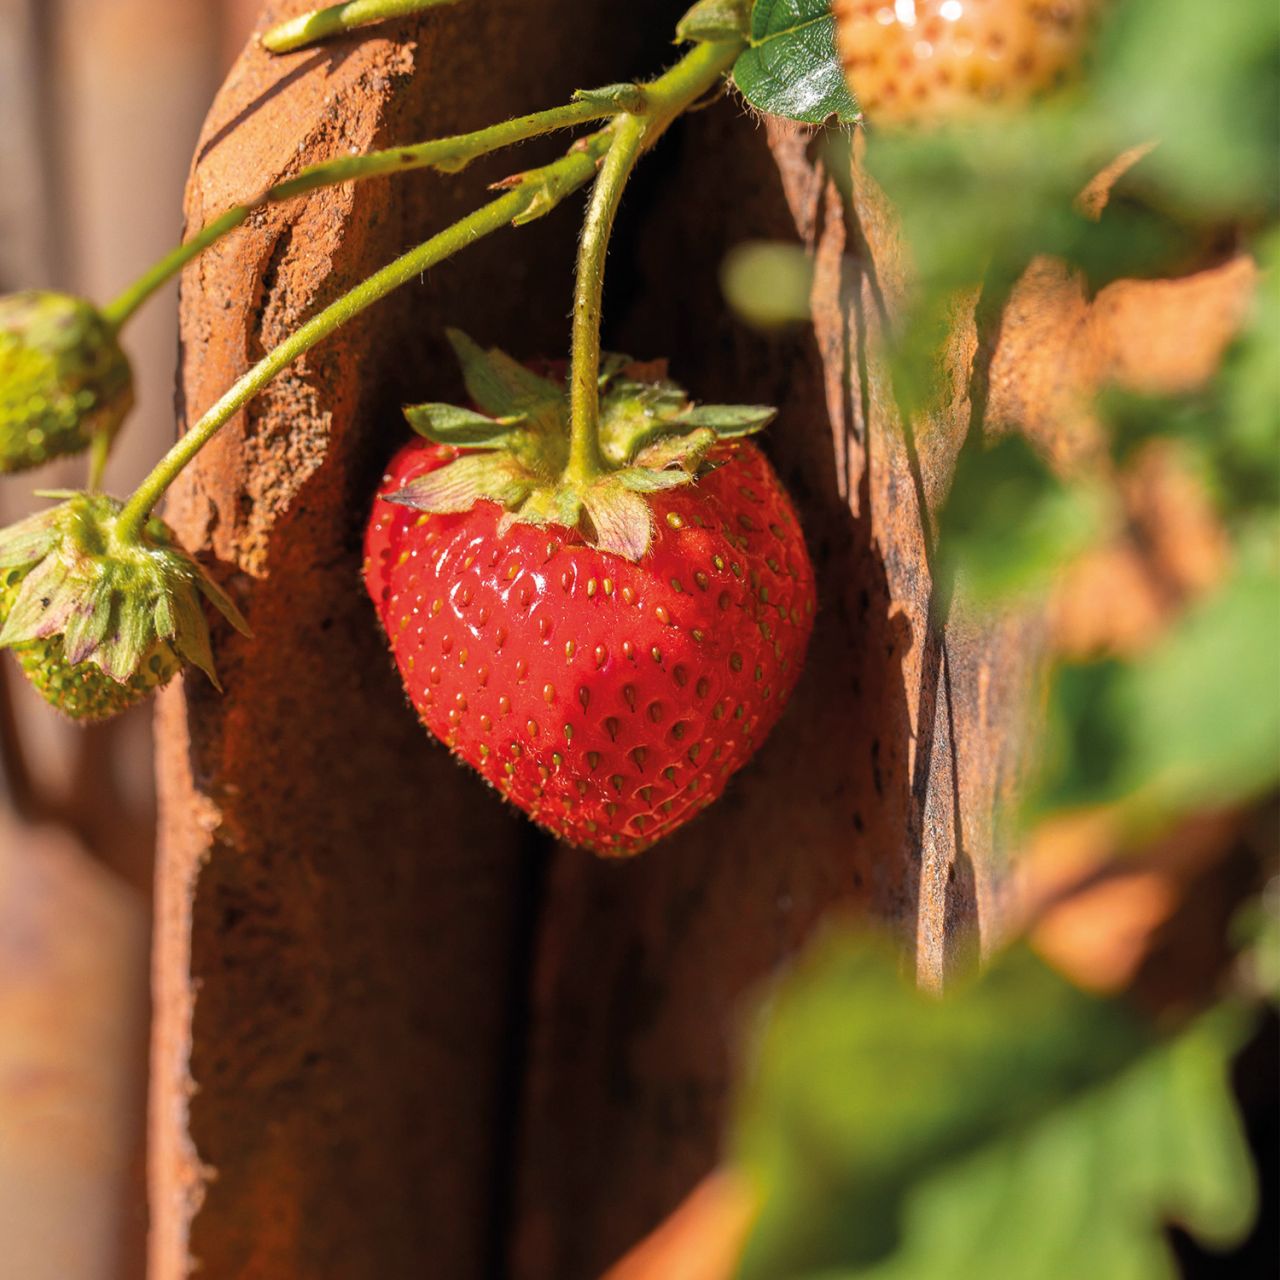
<point x="610" y="701"/>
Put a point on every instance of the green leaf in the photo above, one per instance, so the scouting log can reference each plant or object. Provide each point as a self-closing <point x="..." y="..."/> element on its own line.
<point x="730" y="420"/>
<point x="1230" y="427"/>
<point x="1009" y="523"/>
<point x="864" y="1084"/>
<point x="714" y="20"/>
<point x="463" y="482"/>
<point x="1017" y="1127"/>
<point x="792" y="68"/>
<point x="1195" y="722"/>
<point x="449" y="424"/>
<point x="1088" y="1191"/>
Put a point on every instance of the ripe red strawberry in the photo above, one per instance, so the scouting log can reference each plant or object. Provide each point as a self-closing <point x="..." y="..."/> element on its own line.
<point x="913" y="62"/>
<point x="609" y="699"/>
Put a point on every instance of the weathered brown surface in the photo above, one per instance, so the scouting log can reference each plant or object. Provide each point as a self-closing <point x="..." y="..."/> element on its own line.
<point x="337" y="902"/>
<point x="421" y="1040"/>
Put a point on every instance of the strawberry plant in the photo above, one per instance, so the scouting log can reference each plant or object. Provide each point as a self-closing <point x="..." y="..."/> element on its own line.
<point x="596" y="593"/>
<point x="691" y="598"/>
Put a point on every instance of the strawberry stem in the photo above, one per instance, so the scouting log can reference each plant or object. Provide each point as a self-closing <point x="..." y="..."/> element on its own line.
<point x="319" y="24"/>
<point x="534" y="194"/>
<point x="99" y="452"/>
<point x="585" y="459"/>
<point x="447" y="154"/>
<point x="633" y="133"/>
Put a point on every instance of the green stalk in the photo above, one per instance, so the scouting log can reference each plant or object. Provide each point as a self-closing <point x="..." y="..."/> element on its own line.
<point x="665" y="98"/>
<point x="99" y="452"/>
<point x="447" y="154"/>
<point x="319" y="24"/>
<point x="535" y="193"/>
<point x="585" y="459"/>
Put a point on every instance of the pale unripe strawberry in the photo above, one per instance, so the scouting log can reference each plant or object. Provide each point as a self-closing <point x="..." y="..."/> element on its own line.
<point x="82" y="690"/>
<point x="924" y="62"/>
<point x="63" y="378"/>
<point x="98" y="619"/>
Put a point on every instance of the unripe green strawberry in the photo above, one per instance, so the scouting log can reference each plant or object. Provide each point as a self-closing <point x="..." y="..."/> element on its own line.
<point x="98" y="622"/>
<point x="84" y="691"/>
<point x="63" y="378"/>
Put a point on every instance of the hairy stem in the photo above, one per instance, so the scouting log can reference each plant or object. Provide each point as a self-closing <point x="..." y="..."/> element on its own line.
<point x="319" y="24"/>
<point x="665" y="98"/>
<point x="534" y="194"/>
<point x="447" y="154"/>
<point x="585" y="460"/>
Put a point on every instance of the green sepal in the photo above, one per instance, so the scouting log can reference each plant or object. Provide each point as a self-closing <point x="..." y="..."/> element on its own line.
<point x="462" y="483"/>
<point x="652" y="438"/>
<point x="185" y="626"/>
<point x="501" y="386"/>
<point x="729" y="421"/>
<point x="560" y="505"/>
<point x="621" y="97"/>
<point x="612" y="363"/>
<point x="43" y="603"/>
<point x="642" y="480"/>
<point x="710" y="20"/>
<point x="621" y="521"/>
<point x="27" y="541"/>
<point x="78" y="594"/>
<point x="449" y="424"/>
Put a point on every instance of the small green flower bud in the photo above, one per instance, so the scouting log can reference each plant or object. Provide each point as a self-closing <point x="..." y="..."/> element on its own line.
<point x="63" y="378"/>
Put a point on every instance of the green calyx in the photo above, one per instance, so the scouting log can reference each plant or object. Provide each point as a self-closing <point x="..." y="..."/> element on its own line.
<point x="652" y="437"/>
<point x="715" y="20"/>
<point x="64" y="380"/>
<point x="98" y="620"/>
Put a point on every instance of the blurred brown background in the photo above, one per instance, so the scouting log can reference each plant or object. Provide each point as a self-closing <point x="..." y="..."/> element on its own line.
<point x="100" y="105"/>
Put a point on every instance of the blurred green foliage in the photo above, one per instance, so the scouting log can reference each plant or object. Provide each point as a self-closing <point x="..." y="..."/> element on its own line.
<point x="1042" y="522"/>
<point x="1194" y="724"/>
<point x="1015" y="1128"/>
<point x="1018" y="1128"/>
